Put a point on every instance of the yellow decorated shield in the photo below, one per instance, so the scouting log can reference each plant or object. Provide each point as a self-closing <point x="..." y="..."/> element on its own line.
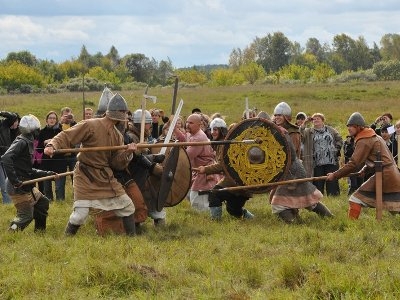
<point x="259" y="163"/>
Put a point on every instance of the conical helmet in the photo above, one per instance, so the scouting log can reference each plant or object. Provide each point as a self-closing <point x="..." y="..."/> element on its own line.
<point x="105" y="97"/>
<point x="283" y="109"/>
<point x="117" y="108"/>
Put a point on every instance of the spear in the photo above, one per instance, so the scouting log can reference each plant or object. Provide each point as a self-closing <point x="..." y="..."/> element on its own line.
<point x="255" y="186"/>
<point x="51" y="177"/>
<point x="177" y="144"/>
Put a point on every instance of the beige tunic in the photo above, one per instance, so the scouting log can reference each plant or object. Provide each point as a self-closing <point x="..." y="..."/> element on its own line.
<point x="101" y="183"/>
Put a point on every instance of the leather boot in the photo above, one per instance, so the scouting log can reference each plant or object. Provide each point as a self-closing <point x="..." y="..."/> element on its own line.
<point x="216" y="213"/>
<point x="129" y="225"/>
<point x="71" y="229"/>
<point x="40" y="213"/>
<point x="289" y="216"/>
<point x="40" y="224"/>
<point x="159" y="222"/>
<point x="321" y="210"/>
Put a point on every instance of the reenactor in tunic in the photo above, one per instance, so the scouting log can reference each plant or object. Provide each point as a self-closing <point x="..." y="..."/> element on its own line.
<point x="95" y="186"/>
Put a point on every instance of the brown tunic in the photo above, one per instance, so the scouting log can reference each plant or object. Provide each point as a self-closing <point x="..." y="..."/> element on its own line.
<point x="93" y="133"/>
<point x="367" y="144"/>
<point x="295" y="195"/>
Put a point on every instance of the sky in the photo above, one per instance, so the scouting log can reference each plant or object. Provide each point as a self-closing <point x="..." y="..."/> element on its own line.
<point x="188" y="32"/>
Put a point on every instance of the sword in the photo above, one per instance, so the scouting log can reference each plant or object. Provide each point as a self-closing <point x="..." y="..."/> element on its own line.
<point x="172" y="127"/>
<point x="181" y="144"/>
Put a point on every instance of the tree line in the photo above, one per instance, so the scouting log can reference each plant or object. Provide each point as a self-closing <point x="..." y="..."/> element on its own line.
<point x="272" y="58"/>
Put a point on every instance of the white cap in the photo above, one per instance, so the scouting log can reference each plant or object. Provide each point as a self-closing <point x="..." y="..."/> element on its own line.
<point x="29" y="124"/>
<point x="217" y="122"/>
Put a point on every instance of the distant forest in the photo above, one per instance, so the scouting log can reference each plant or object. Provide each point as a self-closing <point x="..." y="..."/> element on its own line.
<point x="269" y="59"/>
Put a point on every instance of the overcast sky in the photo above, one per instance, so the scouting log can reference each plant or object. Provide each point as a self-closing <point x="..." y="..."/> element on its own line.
<point x="189" y="32"/>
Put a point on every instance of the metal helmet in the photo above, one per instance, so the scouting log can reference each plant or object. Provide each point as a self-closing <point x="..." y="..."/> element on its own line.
<point x="217" y="122"/>
<point x="356" y="119"/>
<point x="117" y="108"/>
<point x="29" y="124"/>
<point x="105" y="98"/>
<point x="264" y="115"/>
<point x="137" y="117"/>
<point x="283" y="109"/>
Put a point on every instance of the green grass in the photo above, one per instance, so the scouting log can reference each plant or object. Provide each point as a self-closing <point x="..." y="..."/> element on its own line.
<point x="195" y="258"/>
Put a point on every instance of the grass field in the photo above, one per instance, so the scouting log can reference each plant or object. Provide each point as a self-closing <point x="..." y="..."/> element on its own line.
<point x="195" y="258"/>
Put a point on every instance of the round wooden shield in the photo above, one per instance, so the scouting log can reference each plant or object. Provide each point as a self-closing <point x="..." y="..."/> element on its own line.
<point x="259" y="163"/>
<point x="174" y="184"/>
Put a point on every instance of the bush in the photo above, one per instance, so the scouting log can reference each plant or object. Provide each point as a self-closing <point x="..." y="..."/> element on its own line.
<point x="387" y="70"/>
<point x="349" y="76"/>
<point x="14" y="76"/>
<point x="91" y="84"/>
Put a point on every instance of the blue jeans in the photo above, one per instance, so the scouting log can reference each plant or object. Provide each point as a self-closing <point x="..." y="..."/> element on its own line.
<point x="4" y="194"/>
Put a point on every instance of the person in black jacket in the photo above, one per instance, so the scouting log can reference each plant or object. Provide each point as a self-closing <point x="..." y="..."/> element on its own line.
<point x="17" y="162"/>
<point x="56" y="163"/>
<point x="8" y="132"/>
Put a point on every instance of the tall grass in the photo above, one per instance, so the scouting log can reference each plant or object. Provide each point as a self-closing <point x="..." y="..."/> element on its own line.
<point x="195" y="258"/>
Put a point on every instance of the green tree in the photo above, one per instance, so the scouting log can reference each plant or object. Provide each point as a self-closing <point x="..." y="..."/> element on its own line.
<point x="13" y="75"/>
<point x="272" y="51"/>
<point x="236" y="59"/>
<point x="114" y="57"/>
<point x="252" y="72"/>
<point x="192" y="76"/>
<point x="164" y="72"/>
<point x="140" y="67"/>
<point x="314" y="47"/>
<point x="50" y="70"/>
<point x="103" y="75"/>
<point x="24" y="57"/>
<point x="390" y="46"/>
<point x="323" y="72"/>
<point x="343" y="48"/>
<point x="295" y="72"/>
<point x="226" y="77"/>
<point x="352" y="54"/>
<point x="71" y="69"/>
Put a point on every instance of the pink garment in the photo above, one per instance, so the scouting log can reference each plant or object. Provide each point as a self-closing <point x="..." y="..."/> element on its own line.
<point x="201" y="156"/>
<point x="37" y="156"/>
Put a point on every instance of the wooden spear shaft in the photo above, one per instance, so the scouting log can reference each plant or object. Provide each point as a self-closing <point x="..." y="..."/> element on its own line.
<point x="159" y="145"/>
<point x="299" y="180"/>
<point x="378" y="185"/>
<point x="51" y="177"/>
